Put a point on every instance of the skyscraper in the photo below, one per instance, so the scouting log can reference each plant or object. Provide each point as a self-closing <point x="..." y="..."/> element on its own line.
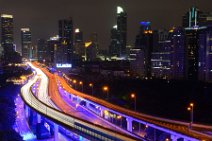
<point x="161" y="60"/>
<point x="178" y="39"/>
<point x="205" y="55"/>
<point x="193" y="22"/>
<point x="41" y="50"/>
<point x="7" y="36"/>
<point x="119" y="35"/>
<point x="78" y="43"/>
<point x="66" y="38"/>
<point x="144" y="41"/>
<point x="196" y="18"/>
<point x="54" y="53"/>
<point x="26" y="42"/>
<point x="114" y="48"/>
<point x="121" y="30"/>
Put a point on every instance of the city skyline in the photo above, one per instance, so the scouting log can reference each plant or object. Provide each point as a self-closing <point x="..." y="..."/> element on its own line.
<point x="44" y="24"/>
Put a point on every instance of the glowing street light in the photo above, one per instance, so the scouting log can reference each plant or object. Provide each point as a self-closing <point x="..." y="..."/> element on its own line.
<point x="106" y="89"/>
<point x="133" y="96"/>
<point x="191" y="109"/>
<point x="74" y="81"/>
<point x="81" y="83"/>
<point x="120" y="118"/>
<point x="91" y="85"/>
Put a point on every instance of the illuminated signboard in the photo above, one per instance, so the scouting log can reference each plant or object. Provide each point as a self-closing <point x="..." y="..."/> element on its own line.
<point x="63" y="65"/>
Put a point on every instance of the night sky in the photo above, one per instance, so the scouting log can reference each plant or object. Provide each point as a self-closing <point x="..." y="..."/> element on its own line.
<point x="95" y="15"/>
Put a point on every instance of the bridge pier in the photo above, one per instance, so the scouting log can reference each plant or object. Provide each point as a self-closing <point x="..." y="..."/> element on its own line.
<point x="102" y="112"/>
<point x="38" y="118"/>
<point x="27" y="111"/>
<point x="174" y="138"/>
<point x="129" y="124"/>
<point x="56" y="132"/>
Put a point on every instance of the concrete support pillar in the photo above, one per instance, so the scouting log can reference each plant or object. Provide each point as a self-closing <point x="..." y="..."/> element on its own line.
<point x="102" y="111"/>
<point x="38" y="118"/>
<point x="129" y="124"/>
<point x="174" y="138"/>
<point x="56" y="132"/>
<point x="78" y="100"/>
<point x="27" y="111"/>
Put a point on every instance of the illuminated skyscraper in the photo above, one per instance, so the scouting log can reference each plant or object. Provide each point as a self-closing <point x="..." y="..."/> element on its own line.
<point x="178" y="39"/>
<point x="114" y="48"/>
<point x="41" y="50"/>
<point x="78" y="43"/>
<point x="7" y="36"/>
<point x="122" y="30"/>
<point x="144" y="41"/>
<point x="196" y="18"/>
<point x="54" y="53"/>
<point x="193" y="22"/>
<point x="26" y="42"/>
<point x="205" y="55"/>
<point x="66" y="38"/>
<point x="119" y="35"/>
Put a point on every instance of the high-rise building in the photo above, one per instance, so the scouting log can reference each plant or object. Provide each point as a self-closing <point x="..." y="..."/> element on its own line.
<point x="53" y="53"/>
<point x="114" y="49"/>
<point x="205" y="55"/>
<point x="7" y="36"/>
<point x="41" y="50"/>
<point x="161" y="60"/>
<point x="26" y="41"/>
<point x="144" y="41"/>
<point x="122" y="30"/>
<point x="119" y="35"/>
<point x="94" y="39"/>
<point x="196" y="18"/>
<point x="178" y="39"/>
<point x="137" y="61"/>
<point x="194" y="21"/>
<point x="66" y="38"/>
<point x="78" y="43"/>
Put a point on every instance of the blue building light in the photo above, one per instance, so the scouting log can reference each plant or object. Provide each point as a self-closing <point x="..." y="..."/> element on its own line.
<point x="145" y="23"/>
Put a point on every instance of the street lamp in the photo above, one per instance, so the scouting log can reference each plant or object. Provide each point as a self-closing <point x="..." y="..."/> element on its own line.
<point x="133" y="96"/>
<point x="91" y="85"/>
<point x="81" y="83"/>
<point x="106" y="89"/>
<point x="191" y="109"/>
<point x="120" y="118"/>
<point x="74" y="81"/>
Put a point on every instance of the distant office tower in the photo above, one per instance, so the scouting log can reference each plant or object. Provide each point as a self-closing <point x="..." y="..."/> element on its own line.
<point x="26" y="41"/>
<point x="137" y="61"/>
<point x="178" y="39"/>
<point x="205" y="55"/>
<point x="54" y="53"/>
<point x="122" y="30"/>
<point x="196" y="18"/>
<point x="119" y="35"/>
<point x="161" y="59"/>
<point x="41" y="50"/>
<point x="193" y="22"/>
<point x="78" y="43"/>
<point x="94" y="39"/>
<point x="114" y="48"/>
<point x="66" y="38"/>
<point x="92" y="50"/>
<point x="7" y="36"/>
<point x="144" y="41"/>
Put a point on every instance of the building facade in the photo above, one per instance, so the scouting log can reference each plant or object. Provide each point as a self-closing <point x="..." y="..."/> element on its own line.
<point x="66" y="39"/>
<point x="26" y="42"/>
